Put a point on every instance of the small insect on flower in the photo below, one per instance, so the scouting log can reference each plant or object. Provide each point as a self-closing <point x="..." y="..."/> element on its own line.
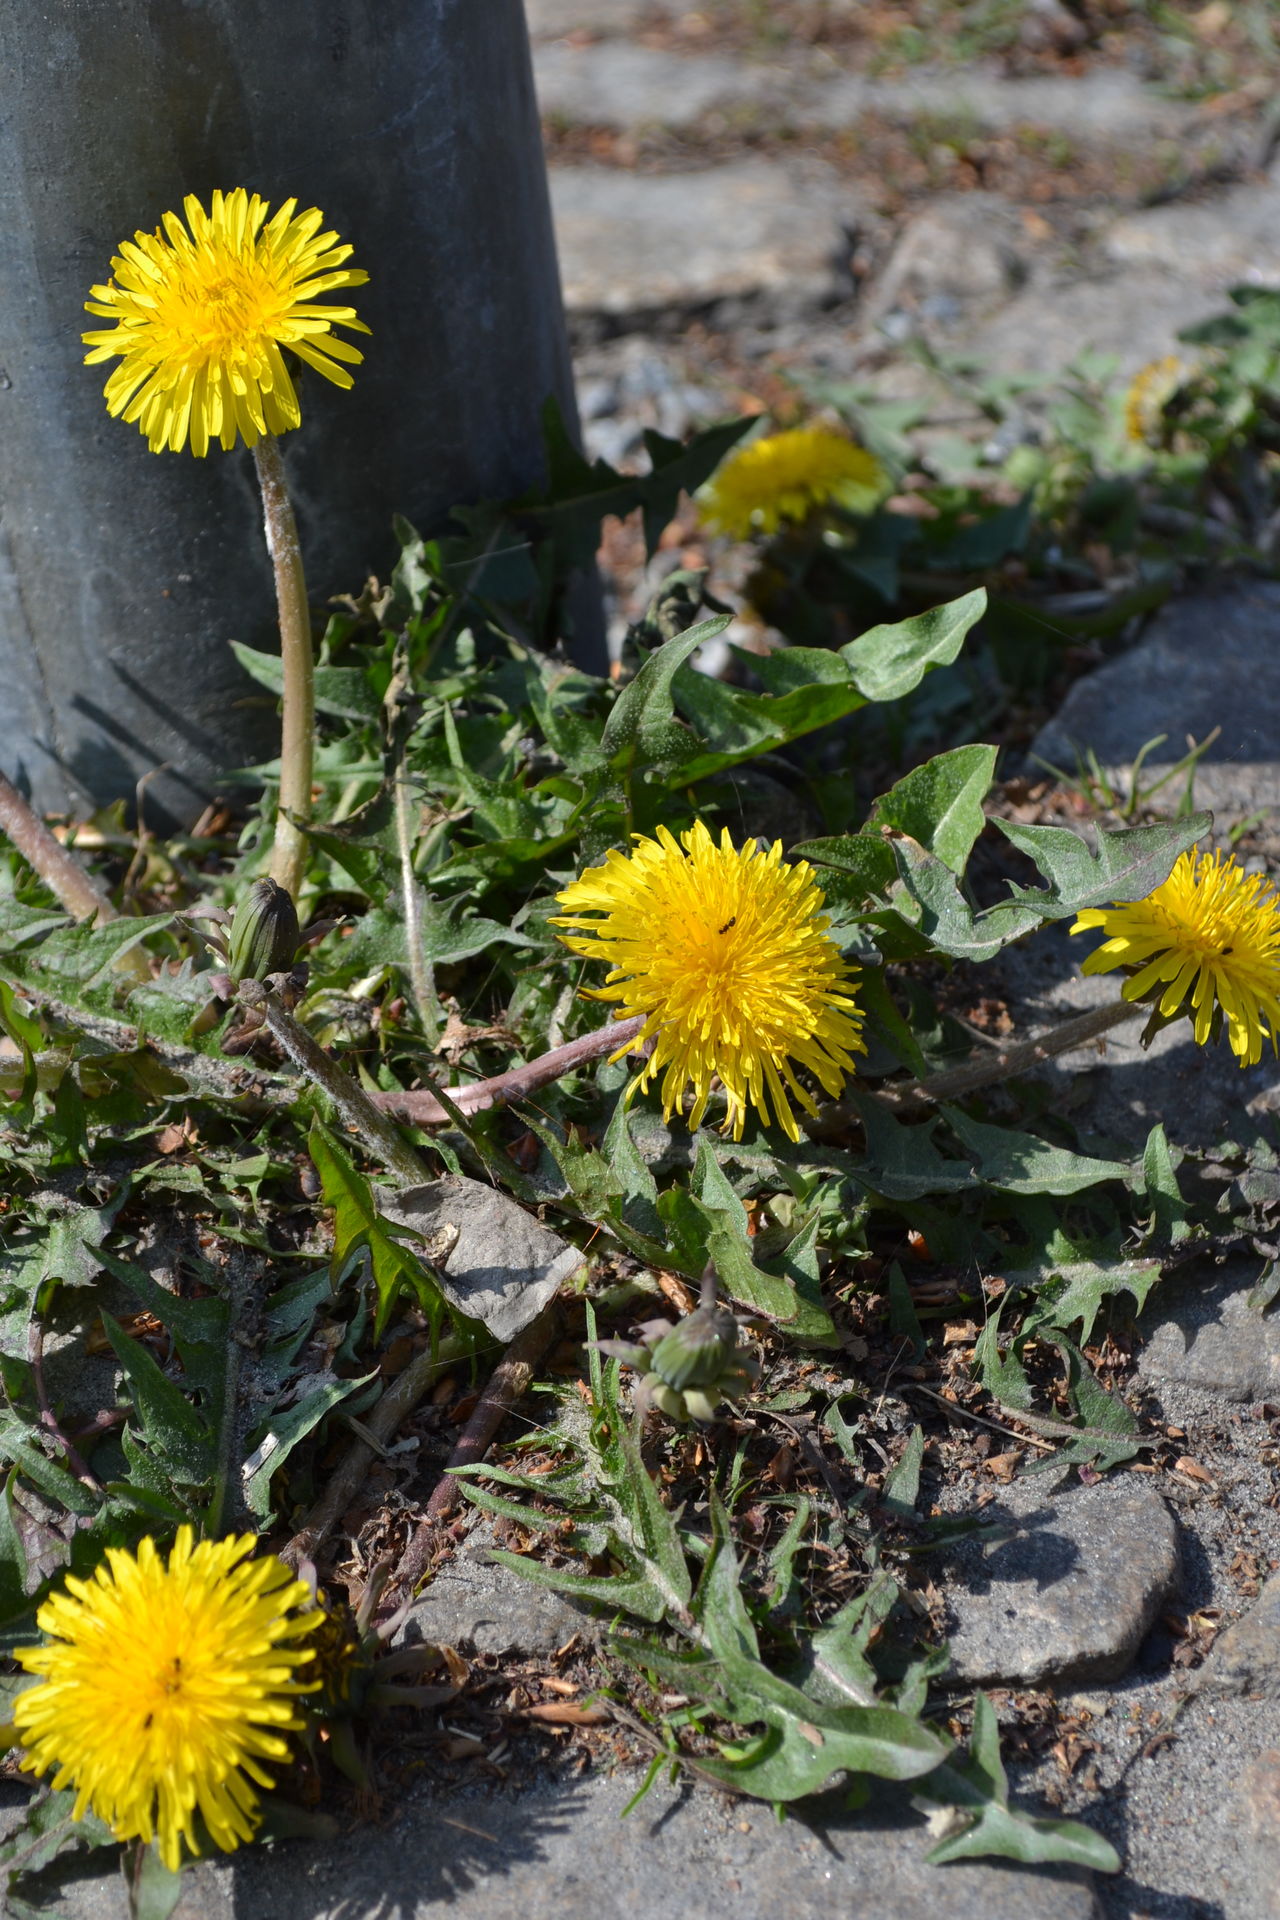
<point x="1206" y="943"/>
<point x="726" y="953"/>
<point x="202" y="310"/>
<point x="164" y="1690"/>
<point x="787" y="476"/>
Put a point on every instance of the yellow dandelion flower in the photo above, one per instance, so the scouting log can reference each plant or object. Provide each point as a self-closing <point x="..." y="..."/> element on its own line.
<point x="726" y="953"/>
<point x="201" y="312"/>
<point x="784" y="476"/>
<point x="163" y="1690"/>
<point x="1207" y="942"/>
<point x="1149" y="392"/>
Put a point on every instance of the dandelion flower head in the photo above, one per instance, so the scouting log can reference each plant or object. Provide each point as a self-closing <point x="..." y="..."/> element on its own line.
<point x="1149" y="393"/>
<point x="726" y="953"/>
<point x="163" y="1690"/>
<point x="1206" y="943"/>
<point x="202" y="310"/>
<point x="785" y="476"/>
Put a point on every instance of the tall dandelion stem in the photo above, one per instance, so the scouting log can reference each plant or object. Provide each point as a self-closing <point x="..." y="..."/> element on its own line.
<point x="298" y="717"/>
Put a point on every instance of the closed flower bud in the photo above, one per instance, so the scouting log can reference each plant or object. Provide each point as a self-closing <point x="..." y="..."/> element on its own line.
<point x="697" y="1351"/>
<point x="687" y="1370"/>
<point x="264" y="933"/>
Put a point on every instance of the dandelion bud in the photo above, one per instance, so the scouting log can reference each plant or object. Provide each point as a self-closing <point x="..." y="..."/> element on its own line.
<point x="685" y="1371"/>
<point x="264" y="933"/>
<point x="697" y="1351"/>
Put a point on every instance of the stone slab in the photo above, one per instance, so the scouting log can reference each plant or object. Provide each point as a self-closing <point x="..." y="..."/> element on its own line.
<point x="962" y="247"/>
<point x="631" y="243"/>
<point x="1246" y="1657"/>
<point x="1208" y="1337"/>
<point x="1068" y="1596"/>
<point x="475" y="1603"/>
<point x="562" y="1852"/>
<point x="1134" y="315"/>
<point x="1262" y="1808"/>
<point x="1107" y="105"/>
<point x="1234" y="238"/>
<point x="614" y="83"/>
<point x="551" y="19"/>
<point x="1206" y="660"/>
<point x="492" y="1260"/>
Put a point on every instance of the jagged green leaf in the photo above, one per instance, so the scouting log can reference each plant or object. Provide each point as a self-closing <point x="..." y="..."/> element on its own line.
<point x="976" y="1787"/>
<point x="1021" y="1163"/>
<point x="1130" y="862"/>
<point x="901" y="1161"/>
<point x="641" y="729"/>
<point x="357" y="1223"/>
<point x="174" y="1431"/>
<point x="939" y="804"/>
<point x="274" y="1441"/>
<point x="811" y="686"/>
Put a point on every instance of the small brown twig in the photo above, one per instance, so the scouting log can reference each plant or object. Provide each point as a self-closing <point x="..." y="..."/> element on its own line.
<point x="424" y="1109"/>
<point x="392" y="1410"/>
<point x="510" y="1378"/>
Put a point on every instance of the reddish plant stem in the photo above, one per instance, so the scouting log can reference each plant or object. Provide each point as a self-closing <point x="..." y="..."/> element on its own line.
<point x="59" y="870"/>
<point x="509" y="1380"/>
<point x="424" y="1109"/>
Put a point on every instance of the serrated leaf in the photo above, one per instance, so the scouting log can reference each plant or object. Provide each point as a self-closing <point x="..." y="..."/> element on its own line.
<point x="728" y="1244"/>
<point x="852" y="866"/>
<point x="1076" y="1290"/>
<point x="357" y="1223"/>
<point x="618" y="1593"/>
<point x="901" y="1161"/>
<point x="1169" y="1223"/>
<point x="939" y="804"/>
<point x="78" y="963"/>
<point x="13" y="1557"/>
<point x="344" y="692"/>
<point x="929" y="900"/>
<point x="273" y="1443"/>
<point x="579" y="494"/>
<point x="155" y="1889"/>
<point x="200" y="1328"/>
<point x="904" y="1322"/>
<point x="1017" y="1162"/>
<point x="642" y="728"/>
<point x="815" y="687"/>
<point x="45" y="1829"/>
<point x="806" y="1739"/>
<point x="48" y="1476"/>
<point x="1130" y="862"/>
<point x="902" y="1485"/>
<point x="890" y="661"/>
<point x="174" y="1431"/>
<point x="812" y="1325"/>
<point x="976" y="1784"/>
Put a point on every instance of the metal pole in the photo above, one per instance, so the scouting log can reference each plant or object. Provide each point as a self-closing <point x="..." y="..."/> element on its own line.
<point x="123" y="573"/>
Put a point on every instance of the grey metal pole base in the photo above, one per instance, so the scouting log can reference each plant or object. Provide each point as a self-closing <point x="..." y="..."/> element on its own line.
<point x="123" y="573"/>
